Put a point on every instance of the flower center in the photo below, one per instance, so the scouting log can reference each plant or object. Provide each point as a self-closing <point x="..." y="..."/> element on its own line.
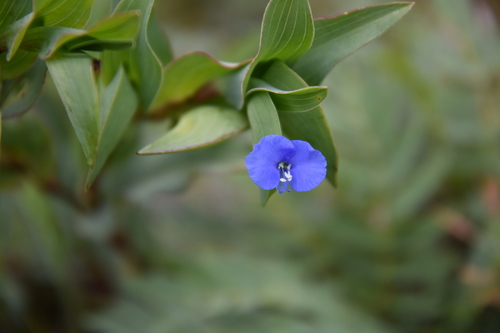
<point x="285" y="175"/>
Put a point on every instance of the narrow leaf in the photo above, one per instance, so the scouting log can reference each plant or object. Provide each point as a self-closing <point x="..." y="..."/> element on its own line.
<point x="337" y="37"/>
<point x="75" y="83"/>
<point x="145" y="66"/>
<point x="118" y="103"/>
<point x="264" y="120"/>
<point x="262" y="115"/>
<point x="197" y="128"/>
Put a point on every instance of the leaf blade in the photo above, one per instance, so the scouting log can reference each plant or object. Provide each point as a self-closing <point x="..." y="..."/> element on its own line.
<point x="118" y="104"/>
<point x="337" y="37"/>
<point x="197" y="128"/>
<point x="75" y="83"/>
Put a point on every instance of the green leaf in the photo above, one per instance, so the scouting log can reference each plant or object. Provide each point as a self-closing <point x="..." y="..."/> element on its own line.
<point x="185" y="75"/>
<point x="75" y="83"/>
<point x="115" y="31"/>
<point x="262" y="115"/>
<point x="159" y="42"/>
<point x="197" y="128"/>
<point x="118" y="104"/>
<point x="14" y="34"/>
<point x="64" y="13"/>
<point x="310" y="126"/>
<point x="337" y="37"/>
<point x="17" y="65"/>
<point x="287" y="33"/>
<point x="287" y="30"/>
<point x="143" y="63"/>
<point x="20" y="93"/>
<point x="264" y="120"/>
<point x="13" y="10"/>
<point x="298" y="100"/>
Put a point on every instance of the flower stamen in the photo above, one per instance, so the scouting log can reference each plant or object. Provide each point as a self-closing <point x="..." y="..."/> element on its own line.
<point x="285" y="175"/>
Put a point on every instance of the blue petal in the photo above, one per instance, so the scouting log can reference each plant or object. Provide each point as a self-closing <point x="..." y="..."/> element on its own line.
<point x="262" y="162"/>
<point x="308" y="167"/>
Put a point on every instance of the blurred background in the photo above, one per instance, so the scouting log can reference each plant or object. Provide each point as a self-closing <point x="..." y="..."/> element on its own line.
<point x="408" y="242"/>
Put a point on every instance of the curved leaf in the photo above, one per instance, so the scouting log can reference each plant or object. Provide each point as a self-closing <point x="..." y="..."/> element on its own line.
<point x="337" y="37"/>
<point x="20" y="93"/>
<point x="17" y="65"/>
<point x="298" y="100"/>
<point x="287" y="32"/>
<point x="185" y="75"/>
<point x="119" y="29"/>
<point x="64" y="13"/>
<point x="197" y="128"/>
<point x="144" y="64"/>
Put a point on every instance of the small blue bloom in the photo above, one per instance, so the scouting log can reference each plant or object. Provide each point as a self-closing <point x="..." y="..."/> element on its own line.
<point x="277" y="162"/>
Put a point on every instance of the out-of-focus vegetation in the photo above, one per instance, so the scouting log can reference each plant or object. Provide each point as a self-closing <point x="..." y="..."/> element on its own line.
<point x="408" y="242"/>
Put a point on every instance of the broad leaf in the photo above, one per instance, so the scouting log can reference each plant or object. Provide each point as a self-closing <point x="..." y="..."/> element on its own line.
<point x="337" y="37"/>
<point x="13" y="10"/>
<point x="197" y="128"/>
<point x="310" y="126"/>
<point x="185" y="75"/>
<point x="64" y="13"/>
<point x="287" y="33"/>
<point x="20" y="93"/>
<point x="75" y="83"/>
<point x="118" y="103"/>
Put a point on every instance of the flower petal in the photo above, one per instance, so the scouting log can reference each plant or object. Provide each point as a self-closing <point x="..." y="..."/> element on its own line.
<point x="262" y="162"/>
<point x="308" y="167"/>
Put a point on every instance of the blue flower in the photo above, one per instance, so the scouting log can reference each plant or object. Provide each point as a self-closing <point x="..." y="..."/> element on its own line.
<point x="277" y="162"/>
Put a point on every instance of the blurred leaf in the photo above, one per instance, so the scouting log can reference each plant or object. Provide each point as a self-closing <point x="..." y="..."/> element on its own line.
<point x="287" y="32"/>
<point x="337" y="37"/>
<point x="144" y="65"/>
<point x="310" y="126"/>
<point x="185" y="75"/>
<point x="298" y="100"/>
<point x="19" y="94"/>
<point x="75" y="83"/>
<point x="197" y="128"/>
<point x="159" y="42"/>
<point x="17" y="65"/>
<point x="118" y="104"/>
<point x="115" y="31"/>
<point x="64" y="13"/>
<point x="14" y="34"/>
<point x="13" y="10"/>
